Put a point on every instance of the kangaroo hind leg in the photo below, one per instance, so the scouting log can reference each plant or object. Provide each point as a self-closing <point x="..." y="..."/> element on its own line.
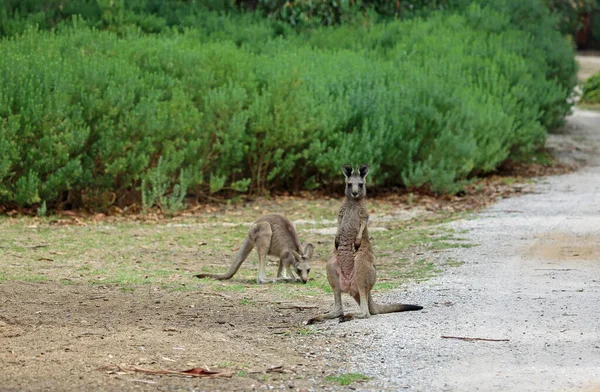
<point x="365" y="277"/>
<point x="260" y="234"/>
<point x="334" y="281"/>
<point x="362" y="298"/>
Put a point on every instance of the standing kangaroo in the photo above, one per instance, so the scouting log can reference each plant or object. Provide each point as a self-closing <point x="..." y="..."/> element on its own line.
<point x="272" y="235"/>
<point x="350" y="268"/>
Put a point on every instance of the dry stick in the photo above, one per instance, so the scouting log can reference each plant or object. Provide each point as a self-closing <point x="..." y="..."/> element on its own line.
<point x="34" y="246"/>
<point x="299" y="307"/>
<point x="469" y="339"/>
<point x="204" y="373"/>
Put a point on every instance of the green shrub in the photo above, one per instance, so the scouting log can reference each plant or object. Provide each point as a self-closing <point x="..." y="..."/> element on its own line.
<point x="591" y="90"/>
<point x="91" y="117"/>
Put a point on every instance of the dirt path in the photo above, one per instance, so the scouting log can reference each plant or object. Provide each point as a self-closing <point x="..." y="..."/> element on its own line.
<point x="589" y="63"/>
<point x="532" y="283"/>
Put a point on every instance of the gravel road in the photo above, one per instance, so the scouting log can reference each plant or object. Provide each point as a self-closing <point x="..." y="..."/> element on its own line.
<point x="532" y="281"/>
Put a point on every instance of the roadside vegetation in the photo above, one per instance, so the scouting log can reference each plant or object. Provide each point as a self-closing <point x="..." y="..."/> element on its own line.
<point x="104" y="104"/>
<point x="590" y="97"/>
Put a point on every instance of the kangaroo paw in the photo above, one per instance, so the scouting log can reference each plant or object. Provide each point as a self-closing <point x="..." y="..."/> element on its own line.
<point x="346" y="317"/>
<point x="323" y="317"/>
<point x="352" y="316"/>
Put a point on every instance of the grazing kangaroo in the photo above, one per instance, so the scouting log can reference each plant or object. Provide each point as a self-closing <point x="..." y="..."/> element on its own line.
<point x="350" y="268"/>
<point x="272" y="235"/>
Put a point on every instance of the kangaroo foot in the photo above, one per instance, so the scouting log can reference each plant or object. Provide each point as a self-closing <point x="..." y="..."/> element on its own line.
<point x="323" y="317"/>
<point x="351" y="316"/>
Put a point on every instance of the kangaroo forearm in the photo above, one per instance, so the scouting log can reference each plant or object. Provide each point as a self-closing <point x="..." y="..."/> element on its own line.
<point x="363" y="224"/>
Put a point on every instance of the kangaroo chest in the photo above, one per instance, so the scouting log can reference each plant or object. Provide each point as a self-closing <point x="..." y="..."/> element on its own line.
<point x="352" y="216"/>
<point x="350" y="225"/>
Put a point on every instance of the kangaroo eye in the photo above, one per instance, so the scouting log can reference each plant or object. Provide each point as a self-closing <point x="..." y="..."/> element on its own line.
<point x="308" y="270"/>
<point x="360" y="185"/>
<point x="349" y="186"/>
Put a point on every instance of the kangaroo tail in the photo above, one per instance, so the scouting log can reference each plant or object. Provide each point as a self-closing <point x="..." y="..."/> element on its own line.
<point x="390" y="308"/>
<point x="242" y="255"/>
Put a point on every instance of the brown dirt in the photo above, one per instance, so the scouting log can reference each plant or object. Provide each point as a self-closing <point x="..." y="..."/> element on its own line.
<point x="59" y="337"/>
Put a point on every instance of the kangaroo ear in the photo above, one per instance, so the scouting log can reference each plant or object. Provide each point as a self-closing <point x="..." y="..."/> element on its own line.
<point x="363" y="170"/>
<point x="347" y="170"/>
<point x="297" y="255"/>
<point x="308" y="250"/>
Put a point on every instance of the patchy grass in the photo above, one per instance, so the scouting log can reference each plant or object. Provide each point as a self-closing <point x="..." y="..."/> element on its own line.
<point x="306" y="331"/>
<point x="348" y="378"/>
<point x="453" y="263"/>
<point x="166" y="254"/>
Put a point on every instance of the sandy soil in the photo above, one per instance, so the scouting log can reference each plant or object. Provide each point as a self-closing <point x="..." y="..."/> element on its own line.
<point x="70" y="338"/>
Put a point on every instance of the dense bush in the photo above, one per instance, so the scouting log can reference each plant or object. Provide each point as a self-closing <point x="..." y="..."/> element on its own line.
<point x="151" y="16"/>
<point x="93" y="117"/>
<point x="591" y="90"/>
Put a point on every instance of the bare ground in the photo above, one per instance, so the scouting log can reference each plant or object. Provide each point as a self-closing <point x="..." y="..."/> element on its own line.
<point x="70" y="338"/>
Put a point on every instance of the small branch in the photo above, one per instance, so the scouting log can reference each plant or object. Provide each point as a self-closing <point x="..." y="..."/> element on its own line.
<point x="471" y="339"/>
<point x="34" y="246"/>
<point x="556" y="269"/>
<point x="299" y="307"/>
<point x="196" y="372"/>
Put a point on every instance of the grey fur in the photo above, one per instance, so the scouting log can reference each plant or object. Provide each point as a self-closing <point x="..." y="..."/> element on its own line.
<point x="351" y="268"/>
<point x="272" y="235"/>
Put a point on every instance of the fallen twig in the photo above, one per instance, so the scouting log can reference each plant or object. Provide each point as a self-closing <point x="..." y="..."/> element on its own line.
<point x="276" y="369"/>
<point x="195" y="372"/>
<point x="470" y="339"/>
<point x="299" y="307"/>
<point x="271" y="369"/>
<point x="34" y="246"/>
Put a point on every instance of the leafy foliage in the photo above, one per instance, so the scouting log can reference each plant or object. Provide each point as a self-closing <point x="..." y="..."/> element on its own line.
<point x="93" y="117"/>
<point x="591" y="90"/>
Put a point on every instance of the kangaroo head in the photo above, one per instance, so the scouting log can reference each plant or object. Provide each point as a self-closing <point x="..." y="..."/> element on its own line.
<point x="355" y="182"/>
<point x="301" y="262"/>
